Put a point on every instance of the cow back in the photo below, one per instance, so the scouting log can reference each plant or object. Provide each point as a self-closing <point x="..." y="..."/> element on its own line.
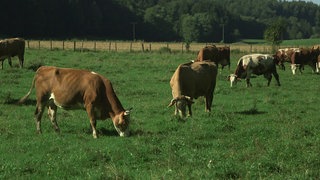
<point x="194" y="79"/>
<point x="12" y="47"/>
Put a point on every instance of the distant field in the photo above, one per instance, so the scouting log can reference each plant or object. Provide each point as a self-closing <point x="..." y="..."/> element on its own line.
<point x="138" y="46"/>
<point x="252" y="133"/>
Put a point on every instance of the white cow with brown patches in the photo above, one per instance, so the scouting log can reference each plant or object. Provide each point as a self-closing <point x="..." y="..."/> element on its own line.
<point x="74" y="88"/>
<point x="258" y="64"/>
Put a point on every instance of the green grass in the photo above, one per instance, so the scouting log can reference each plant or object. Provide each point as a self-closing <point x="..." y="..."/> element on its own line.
<point x="252" y="133"/>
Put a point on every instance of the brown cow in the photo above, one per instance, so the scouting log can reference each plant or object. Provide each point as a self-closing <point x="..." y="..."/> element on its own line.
<point x="72" y="89"/>
<point x="192" y="80"/>
<point x="304" y="57"/>
<point x="219" y="55"/>
<point x="10" y="48"/>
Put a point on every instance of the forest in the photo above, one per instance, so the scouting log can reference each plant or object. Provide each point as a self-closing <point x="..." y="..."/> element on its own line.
<point x="158" y="20"/>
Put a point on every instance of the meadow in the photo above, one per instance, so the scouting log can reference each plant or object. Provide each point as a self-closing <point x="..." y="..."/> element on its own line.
<point x="252" y="133"/>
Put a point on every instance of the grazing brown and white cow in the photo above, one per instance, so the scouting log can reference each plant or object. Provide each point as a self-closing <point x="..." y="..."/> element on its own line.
<point x="284" y="55"/>
<point x="219" y="55"/>
<point x="317" y="54"/>
<point x="190" y="81"/>
<point x="71" y="89"/>
<point x="304" y="57"/>
<point x="10" y="48"/>
<point x="255" y="64"/>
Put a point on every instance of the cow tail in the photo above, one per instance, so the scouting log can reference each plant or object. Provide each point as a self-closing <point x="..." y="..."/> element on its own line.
<point x="24" y="98"/>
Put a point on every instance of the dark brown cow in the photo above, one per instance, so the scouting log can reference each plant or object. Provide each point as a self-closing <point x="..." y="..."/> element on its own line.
<point x="192" y="80"/>
<point x="10" y="48"/>
<point x="304" y="57"/>
<point x="72" y="89"/>
<point x="219" y="55"/>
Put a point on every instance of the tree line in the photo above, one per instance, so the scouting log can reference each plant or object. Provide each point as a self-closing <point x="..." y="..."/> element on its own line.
<point x="158" y="20"/>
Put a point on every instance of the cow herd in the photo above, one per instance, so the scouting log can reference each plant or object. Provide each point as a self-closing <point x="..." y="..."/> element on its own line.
<point x="190" y="80"/>
<point x="74" y="88"/>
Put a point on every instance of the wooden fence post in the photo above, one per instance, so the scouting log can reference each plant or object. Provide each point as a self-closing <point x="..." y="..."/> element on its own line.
<point x="182" y="47"/>
<point x="74" y="45"/>
<point x="115" y="46"/>
<point x="109" y="46"/>
<point x="28" y="44"/>
<point x="150" y="47"/>
<point x="63" y="45"/>
<point x="130" y="47"/>
<point x="81" y="46"/>
<point x="142" y="46"/>
<point x="50" y="45"/>
<point x="95" y="46"/>
<point x="39" y="44"/>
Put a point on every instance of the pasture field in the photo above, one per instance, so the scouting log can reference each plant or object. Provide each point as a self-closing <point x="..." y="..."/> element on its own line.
<point x="252" y="133"/>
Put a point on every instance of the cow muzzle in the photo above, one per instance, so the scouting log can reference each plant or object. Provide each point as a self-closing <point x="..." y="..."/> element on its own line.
<point x="233" y="79"/>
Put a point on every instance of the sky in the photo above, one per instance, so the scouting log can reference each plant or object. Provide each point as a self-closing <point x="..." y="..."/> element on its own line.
<point x="314" y="1"/>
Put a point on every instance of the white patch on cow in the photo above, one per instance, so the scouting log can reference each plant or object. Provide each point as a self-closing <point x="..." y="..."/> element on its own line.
<point x="233" y="79"/>
<point x="54" y="100"/>
<point x="293" y="68"/>
<point x="93" y="72"/>
<point x="318" y="67"/>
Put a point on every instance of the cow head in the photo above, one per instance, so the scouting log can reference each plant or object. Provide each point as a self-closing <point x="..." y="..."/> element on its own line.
<point x="181" y="104"/>
<point x="121" y="123"/>
<point x="233" y="79"/>
<point x="278" y="61"/>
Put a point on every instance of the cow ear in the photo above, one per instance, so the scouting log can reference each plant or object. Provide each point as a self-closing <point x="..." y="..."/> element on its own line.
<point x="189" y="99"/>
<point x="173" y="101"/>
<point x="127" y="112"/>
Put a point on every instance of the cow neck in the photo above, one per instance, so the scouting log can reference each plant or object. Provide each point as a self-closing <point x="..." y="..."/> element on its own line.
<point x="115" y="104"/>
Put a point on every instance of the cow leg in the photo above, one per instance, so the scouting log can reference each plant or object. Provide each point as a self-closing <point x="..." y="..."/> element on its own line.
<point x="248" y="82"/>
<point x="189" y="107"/>
<point x="276" y="76"/>
<point x="293" y="68"/>
<point x="268" y="76"/>
<point x="38" y="114"/>
<point x="93" y="122"/>
<point x="301" y="67"/>
<point x="9" y="60"/>
<point x="21" y="59"/>
<point x="209" y="98"/>
<point x="52" y="113"/>
<point x="208" y="103"/>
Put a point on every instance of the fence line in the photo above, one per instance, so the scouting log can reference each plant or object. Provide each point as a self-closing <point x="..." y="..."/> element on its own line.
<point x="127" y="46"/>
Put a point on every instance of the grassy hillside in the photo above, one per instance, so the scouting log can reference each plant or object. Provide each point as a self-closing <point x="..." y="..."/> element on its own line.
<point x="252" y="133"/>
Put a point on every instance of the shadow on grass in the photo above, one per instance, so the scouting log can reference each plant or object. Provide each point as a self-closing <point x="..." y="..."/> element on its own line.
<point x="102" y="132"/>
<point x="12" y="101"/>
<point x="252" y="111"/>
